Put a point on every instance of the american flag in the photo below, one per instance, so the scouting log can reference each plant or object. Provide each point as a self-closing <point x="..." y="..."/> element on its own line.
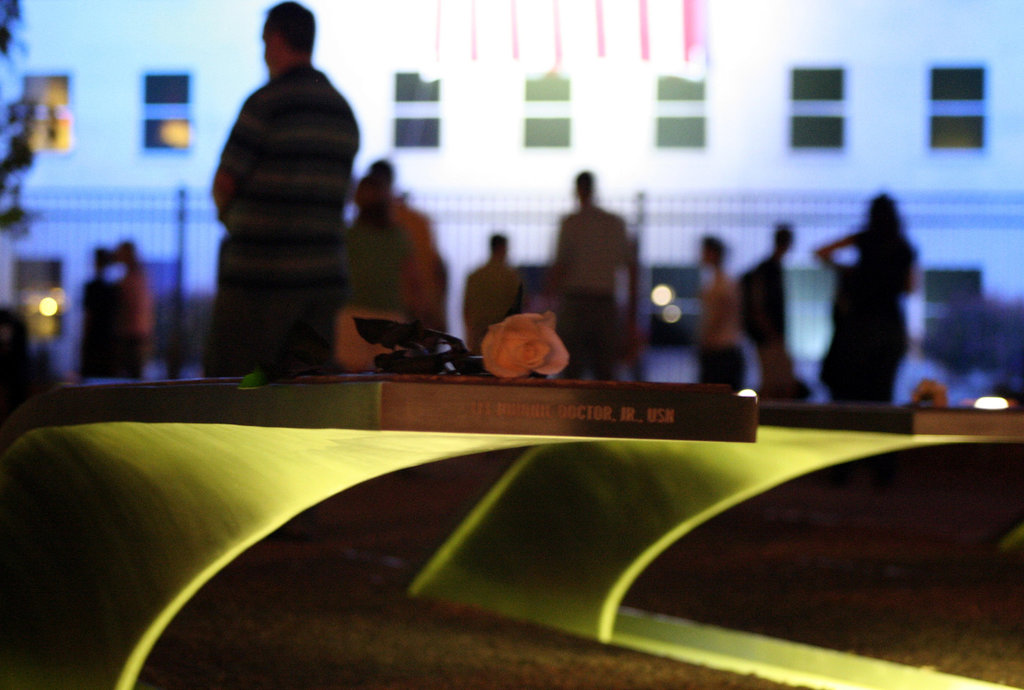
<point x="560" y="35"/>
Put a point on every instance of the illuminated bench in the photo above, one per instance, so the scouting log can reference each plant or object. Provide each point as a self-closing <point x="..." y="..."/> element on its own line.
<point x="560" y="539"/>
<point x="117" y="503"/>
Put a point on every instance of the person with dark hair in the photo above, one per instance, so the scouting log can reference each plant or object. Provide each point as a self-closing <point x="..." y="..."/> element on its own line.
<point x="491" y="292"/>
<point x="15" y="379"/>
<point x="430" y="306"/>
<point x="280" y="191"/>
<point x="764" y="319"/>
<point x="594" y="251"/>
<point x="869" y="338"/>
<point x="382" y="280"/>
<point x="295" y="25"/>
<point x="135" y="320"/>
<point x="99" y="311"/>
<point x="718" y="337"/>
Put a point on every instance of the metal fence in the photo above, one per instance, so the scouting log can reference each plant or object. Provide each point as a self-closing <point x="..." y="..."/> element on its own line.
<point x="177" y="234"/>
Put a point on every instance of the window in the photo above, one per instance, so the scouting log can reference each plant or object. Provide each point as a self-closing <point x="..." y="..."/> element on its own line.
<point x="417" y="111"/>
<point x="943" y="287"/>
<point x="48" y="97"/>
<point x="817" y="120"/>
<point x="681" y="121"/>
<point x="167" y="124"/>
<point x="958" y="108"/>
<point x="547" y="123"/>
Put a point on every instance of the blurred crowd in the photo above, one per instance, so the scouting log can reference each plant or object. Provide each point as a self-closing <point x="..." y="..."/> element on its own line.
<point x="294" y="275"/>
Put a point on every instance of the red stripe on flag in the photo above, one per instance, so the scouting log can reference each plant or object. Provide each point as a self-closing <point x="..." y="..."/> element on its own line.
<point x="515" y="30"/>
<point x="558" y="36"/>
<point x="472" y="30"/>
<point x="693" y="29"/>
<point x="645" y="33"/>
<point x="599" y="9"/>
<point x="437" y="34"/>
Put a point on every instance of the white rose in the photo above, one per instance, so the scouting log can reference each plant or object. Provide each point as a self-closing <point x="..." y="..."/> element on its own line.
<point x="524" y="343"/>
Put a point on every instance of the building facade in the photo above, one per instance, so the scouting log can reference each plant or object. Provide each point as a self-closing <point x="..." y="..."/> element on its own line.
<point x="795" y="94"/>
<point x="695" y="99"/>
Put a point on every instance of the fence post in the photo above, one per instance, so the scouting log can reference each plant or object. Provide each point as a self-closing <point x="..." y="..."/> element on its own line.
<point x="7" y="264"/>
<point x="176" y="344"/>
<point x="643" y="289"/>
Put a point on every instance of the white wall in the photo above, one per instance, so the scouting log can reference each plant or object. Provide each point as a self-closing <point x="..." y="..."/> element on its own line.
<point x="886" y="48"/>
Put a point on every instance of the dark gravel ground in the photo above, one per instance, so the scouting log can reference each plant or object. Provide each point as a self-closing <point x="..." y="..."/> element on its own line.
<point x="908" y="572"/>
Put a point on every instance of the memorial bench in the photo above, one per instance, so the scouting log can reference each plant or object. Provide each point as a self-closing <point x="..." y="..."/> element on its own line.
<point x="117" y="503"/>
<point x="546" y="544"/>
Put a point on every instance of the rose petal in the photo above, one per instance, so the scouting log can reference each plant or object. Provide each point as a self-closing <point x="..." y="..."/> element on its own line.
<point x="523" y="343"/>
<point x="558" y="359"/>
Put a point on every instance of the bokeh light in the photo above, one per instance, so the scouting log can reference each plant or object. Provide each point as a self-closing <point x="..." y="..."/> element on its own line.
<point x="991" y="402"/>
<point x="48" y="306"/>
<point x="671" y="314"/>
<point x="662" y="295"/>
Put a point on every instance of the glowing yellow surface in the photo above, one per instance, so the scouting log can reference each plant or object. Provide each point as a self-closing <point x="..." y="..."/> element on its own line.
<point x="561" y="538"/>
<point x="107" y="529"/>
<point x="781" y="661"/>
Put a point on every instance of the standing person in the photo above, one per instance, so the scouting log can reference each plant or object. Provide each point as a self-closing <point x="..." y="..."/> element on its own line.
<point x="135" y="320"/>
<point x="430" y="305"/>
<point x="491" y="291"/>
<point x="719" y="332"/>
<point x="280" y="191"/>
<point x="99" y="309"/>
<point x="594" y="251"/>
<point x="764" y="319"/>
<point x="870" y="336"/>
<point x="15" y="375"/>
<point x="381" y="270"/>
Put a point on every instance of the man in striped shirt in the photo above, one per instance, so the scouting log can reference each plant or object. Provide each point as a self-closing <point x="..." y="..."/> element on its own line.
<point x="280" y="191"/>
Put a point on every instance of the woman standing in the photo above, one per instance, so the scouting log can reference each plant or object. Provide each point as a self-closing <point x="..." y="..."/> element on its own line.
<point x="870" y="335"/>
